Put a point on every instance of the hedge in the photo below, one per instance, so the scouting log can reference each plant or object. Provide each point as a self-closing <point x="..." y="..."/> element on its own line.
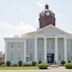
<point x="68" y="65"/>
<point x="43" y="66"/>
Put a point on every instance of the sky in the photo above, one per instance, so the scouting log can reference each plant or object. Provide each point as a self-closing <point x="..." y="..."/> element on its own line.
<point x="18" y="17"/>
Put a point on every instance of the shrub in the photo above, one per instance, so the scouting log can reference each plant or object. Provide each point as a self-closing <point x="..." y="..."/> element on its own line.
<point x="8" y="63"/>
<point x="14" y="65"/>
<point x="69" y="61"/>
<point x="43" y="66"/>
<point x="68" y="65"/>
<point x="40" y="62"/>
<point x="33" y="63"/>
<point x="62" y="62"/>
<point x="20" y="63"/>
<point x="27" y="65"/>
<point x="3" y="62"/>
<point x="2" y="65"/>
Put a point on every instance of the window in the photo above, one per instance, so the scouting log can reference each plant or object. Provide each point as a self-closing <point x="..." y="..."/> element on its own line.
<point x="30" y="46"/>
<point x="19" y="56"/>
<point x="12" y="45"/>
<point x="12" y="56"/>
<point x="19" y="45"/>
<point x="27" y="59"/>
<point x="40" y="56"/>
<point x="59" y="57"/>
<point x="30" y="57"/>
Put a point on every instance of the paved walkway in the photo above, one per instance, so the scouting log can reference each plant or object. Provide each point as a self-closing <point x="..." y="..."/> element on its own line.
<point x="50" y="69"/>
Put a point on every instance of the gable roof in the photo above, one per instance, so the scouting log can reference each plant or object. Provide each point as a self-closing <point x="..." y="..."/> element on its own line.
<point x="48" y="30"/>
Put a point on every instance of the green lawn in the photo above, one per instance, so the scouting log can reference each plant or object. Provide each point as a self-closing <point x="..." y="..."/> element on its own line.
<point x="19" y="68"/>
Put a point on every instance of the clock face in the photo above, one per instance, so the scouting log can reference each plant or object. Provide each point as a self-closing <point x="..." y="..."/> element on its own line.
<point x="47" y="13"/>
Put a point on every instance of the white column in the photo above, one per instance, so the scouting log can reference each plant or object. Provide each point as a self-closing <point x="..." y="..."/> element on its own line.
<point x="25" y="50"/>
<point x="65" y="49"/>
<point x="45" y="50"/>
<point x="35" y="50"/>
<point x="56" y="50"/>
<point x="6" y="43"/>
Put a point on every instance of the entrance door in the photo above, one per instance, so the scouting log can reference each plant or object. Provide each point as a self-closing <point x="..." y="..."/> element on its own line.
<point x="50" y="58"/>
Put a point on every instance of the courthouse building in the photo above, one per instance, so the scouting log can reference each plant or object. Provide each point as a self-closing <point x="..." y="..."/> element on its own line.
<point x="48" y="44"/>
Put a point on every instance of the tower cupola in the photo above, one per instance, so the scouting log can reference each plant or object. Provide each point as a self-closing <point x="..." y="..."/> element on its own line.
<point x="46" y="17"/>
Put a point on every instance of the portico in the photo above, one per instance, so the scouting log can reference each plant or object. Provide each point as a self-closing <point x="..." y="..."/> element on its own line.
<point x="55" y="49"/>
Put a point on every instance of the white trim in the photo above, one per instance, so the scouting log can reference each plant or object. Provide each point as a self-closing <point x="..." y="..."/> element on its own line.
<point x="6" y="51"/>
<point x="25" y="50"/>
<point x="45" y="50"/>
<point x="35" y="50"/>
<point x="65" y="49"/>
<point x="56" y="50"/>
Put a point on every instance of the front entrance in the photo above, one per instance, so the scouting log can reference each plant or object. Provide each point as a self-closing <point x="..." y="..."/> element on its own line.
<point x="50" y="58"/>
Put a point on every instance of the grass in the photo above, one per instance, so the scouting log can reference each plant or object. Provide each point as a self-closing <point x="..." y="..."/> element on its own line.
<point x="19" y="68"/>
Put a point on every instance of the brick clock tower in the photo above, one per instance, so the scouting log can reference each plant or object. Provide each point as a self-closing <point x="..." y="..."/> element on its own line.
<point x="46" y="17"/>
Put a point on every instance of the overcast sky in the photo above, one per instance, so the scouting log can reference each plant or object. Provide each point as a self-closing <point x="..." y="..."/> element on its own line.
<point x="21" y="16"/>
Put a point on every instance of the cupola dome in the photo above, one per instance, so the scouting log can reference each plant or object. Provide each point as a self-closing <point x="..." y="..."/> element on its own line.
<point x="43" y="12"/>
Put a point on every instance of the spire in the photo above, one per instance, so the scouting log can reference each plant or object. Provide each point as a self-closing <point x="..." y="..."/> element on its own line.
<point x="46" y="6"/>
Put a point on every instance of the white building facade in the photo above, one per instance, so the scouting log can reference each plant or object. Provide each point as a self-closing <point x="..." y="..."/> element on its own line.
<point x="48" y="44"/>
<point x="42" y="45"/>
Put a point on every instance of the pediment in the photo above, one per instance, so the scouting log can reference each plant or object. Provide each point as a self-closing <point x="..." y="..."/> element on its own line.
<point x="51" y="30"/>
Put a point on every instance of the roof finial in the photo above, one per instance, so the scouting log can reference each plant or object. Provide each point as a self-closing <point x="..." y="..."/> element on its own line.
<point x="46" y="6"/>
